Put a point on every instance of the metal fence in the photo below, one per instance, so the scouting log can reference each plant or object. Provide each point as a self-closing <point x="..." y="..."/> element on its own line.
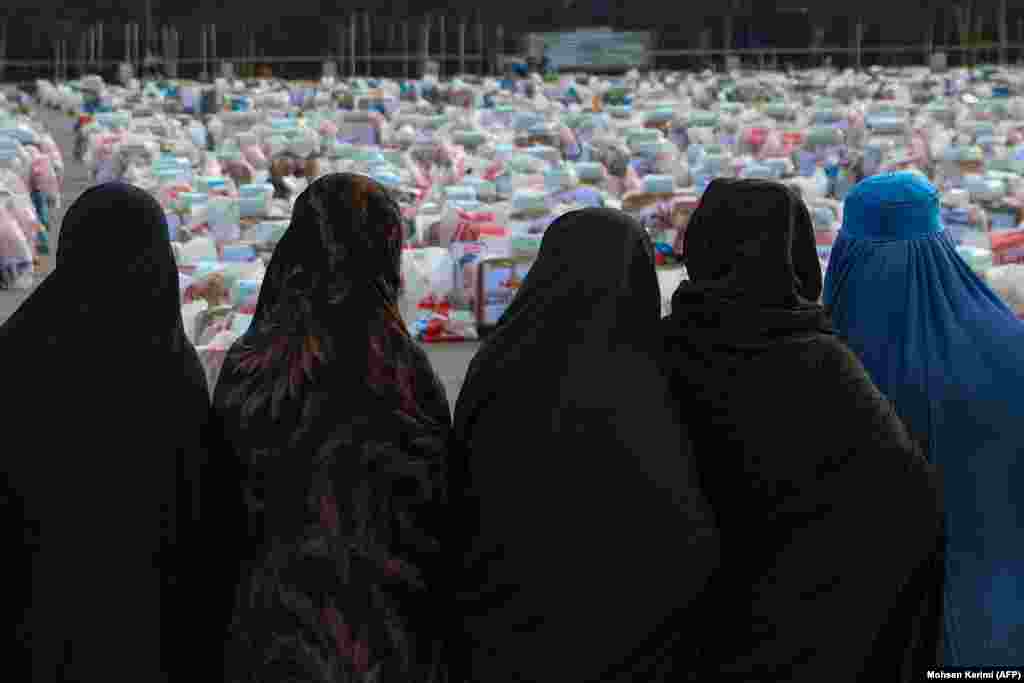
<point x="414" y="64"/>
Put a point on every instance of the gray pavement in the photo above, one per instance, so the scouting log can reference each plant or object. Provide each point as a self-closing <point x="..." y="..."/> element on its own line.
<point x="449" y="360"/>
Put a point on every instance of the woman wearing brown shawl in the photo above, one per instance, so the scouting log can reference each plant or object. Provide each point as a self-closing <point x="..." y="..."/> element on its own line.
<point x="830" y="519"/>
<point x="337" y="428"/>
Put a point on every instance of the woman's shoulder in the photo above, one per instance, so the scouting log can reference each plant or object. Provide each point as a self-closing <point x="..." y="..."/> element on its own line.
<point x="829" y="355"/>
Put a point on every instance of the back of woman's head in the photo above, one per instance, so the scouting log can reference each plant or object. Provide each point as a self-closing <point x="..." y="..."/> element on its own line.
<point x="344" y="243"/>
<point x="755" y="240"/>
<point x="115" y="253"/>
<point x="593" y="281"/>
<point x="328" y="300"/>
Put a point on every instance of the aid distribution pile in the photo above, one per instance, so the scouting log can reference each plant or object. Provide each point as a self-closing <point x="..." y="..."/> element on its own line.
<point x="481" y="167"/>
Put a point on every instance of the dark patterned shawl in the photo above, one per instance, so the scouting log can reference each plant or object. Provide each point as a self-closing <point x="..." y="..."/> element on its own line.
<point x="337" y="428"/>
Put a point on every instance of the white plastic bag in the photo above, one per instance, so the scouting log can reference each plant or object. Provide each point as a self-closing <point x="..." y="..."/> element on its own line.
<point x="198" y="249"/>
<point x="419" y="274"/>
<point x="190" y="316"/>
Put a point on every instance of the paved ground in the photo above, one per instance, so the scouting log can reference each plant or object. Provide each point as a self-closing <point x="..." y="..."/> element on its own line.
<point x="450" y="360"/>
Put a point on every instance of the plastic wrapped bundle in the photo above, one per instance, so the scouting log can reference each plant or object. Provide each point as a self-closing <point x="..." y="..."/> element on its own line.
<point x="827" y="117"/>
<point x="469" y="138"/>
<point x="779" y="111"/>
<point x="12" y="182"/>
<point x="16" y="254"/>
<point x="198" y="250"/>
<point x="824" y="137"/>
<point x="25" y="215"/>
<point x="559" y="178"/>
<point x="190" y="314"/>
<point x="254" y="155"/>
<point x="590" y="172"/>
<point x="52" y="150"/>
<point x="44" y="178"/>
<point x="887" y="124"/>
<point x="23" y="134"/>
<point x="824" y="217"/>
<point x="269" y="232"/>
<point x="759" y="171"/>
<point x="982" y="188"/>
<point x="255" y="200"/>
<point x="659" y="184"/>
<point x="978" y="258"/>
<point x="703" y="119"/>
<point x="659" y="117"/>
<point x="460" y="193"/>
<point x="1008" y="282"/>
<point x="714" y="165"/>
<point x="638" y="138"/>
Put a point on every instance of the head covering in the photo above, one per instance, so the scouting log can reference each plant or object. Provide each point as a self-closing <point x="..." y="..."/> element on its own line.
<point x="950" y="355"/>
<point x="101" y="345"/>
<point x="338" y="262"/>
<point x="794" y="482"/>
<point x="114" y="264"/>
<point x="340" y="427"/>
<point x="752" y="262"/>
<point x="567" y="448"/>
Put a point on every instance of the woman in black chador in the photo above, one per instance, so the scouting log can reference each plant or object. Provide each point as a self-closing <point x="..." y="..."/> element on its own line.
<point x="831" y="526"/>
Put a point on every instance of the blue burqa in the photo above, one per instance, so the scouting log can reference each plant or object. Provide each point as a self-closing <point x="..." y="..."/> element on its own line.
<point x="950" y="355"/>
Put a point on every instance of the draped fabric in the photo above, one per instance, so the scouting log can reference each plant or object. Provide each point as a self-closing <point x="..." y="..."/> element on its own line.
<point x="580" y="538"/>
<point x="950" y="355"/>
<point x="750" y="278"/>
<point x="333" y="472"/>
<point x="824" y="505"/>
<point x="112" y="562"/>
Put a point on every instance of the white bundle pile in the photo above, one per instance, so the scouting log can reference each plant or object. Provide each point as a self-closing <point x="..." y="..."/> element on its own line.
<point x="1008" y="282"/>
<point x="21" y="132"/>
<point x="138" y="145"/>
<point x="14" y="157"/>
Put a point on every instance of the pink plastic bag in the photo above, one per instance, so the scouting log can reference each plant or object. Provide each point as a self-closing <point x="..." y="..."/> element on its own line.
<point x="772" y="147"/>
<point x="44" y="178"/>
<point x="420" y="177"/>
<point x="168" y="194"/>
<point x="239" y="169"/>
<point x="212" y="168"/>
<point x="466" y="218"/>
<point x="255" y="156"/>
<point x="919" y="149"/>
<point x="51" y="149"/>
<point x="328" y="129"/>
<point x="570" y="144"/>
<point x="496" y="169"/>
<point x="457" y="158"/>
<point x="631" y="182"/>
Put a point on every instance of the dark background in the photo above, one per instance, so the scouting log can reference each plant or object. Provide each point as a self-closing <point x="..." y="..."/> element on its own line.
<point x="308" y="27"/>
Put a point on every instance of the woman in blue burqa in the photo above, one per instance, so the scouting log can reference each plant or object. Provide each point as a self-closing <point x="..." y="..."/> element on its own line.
<point x="950" y="355"/>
